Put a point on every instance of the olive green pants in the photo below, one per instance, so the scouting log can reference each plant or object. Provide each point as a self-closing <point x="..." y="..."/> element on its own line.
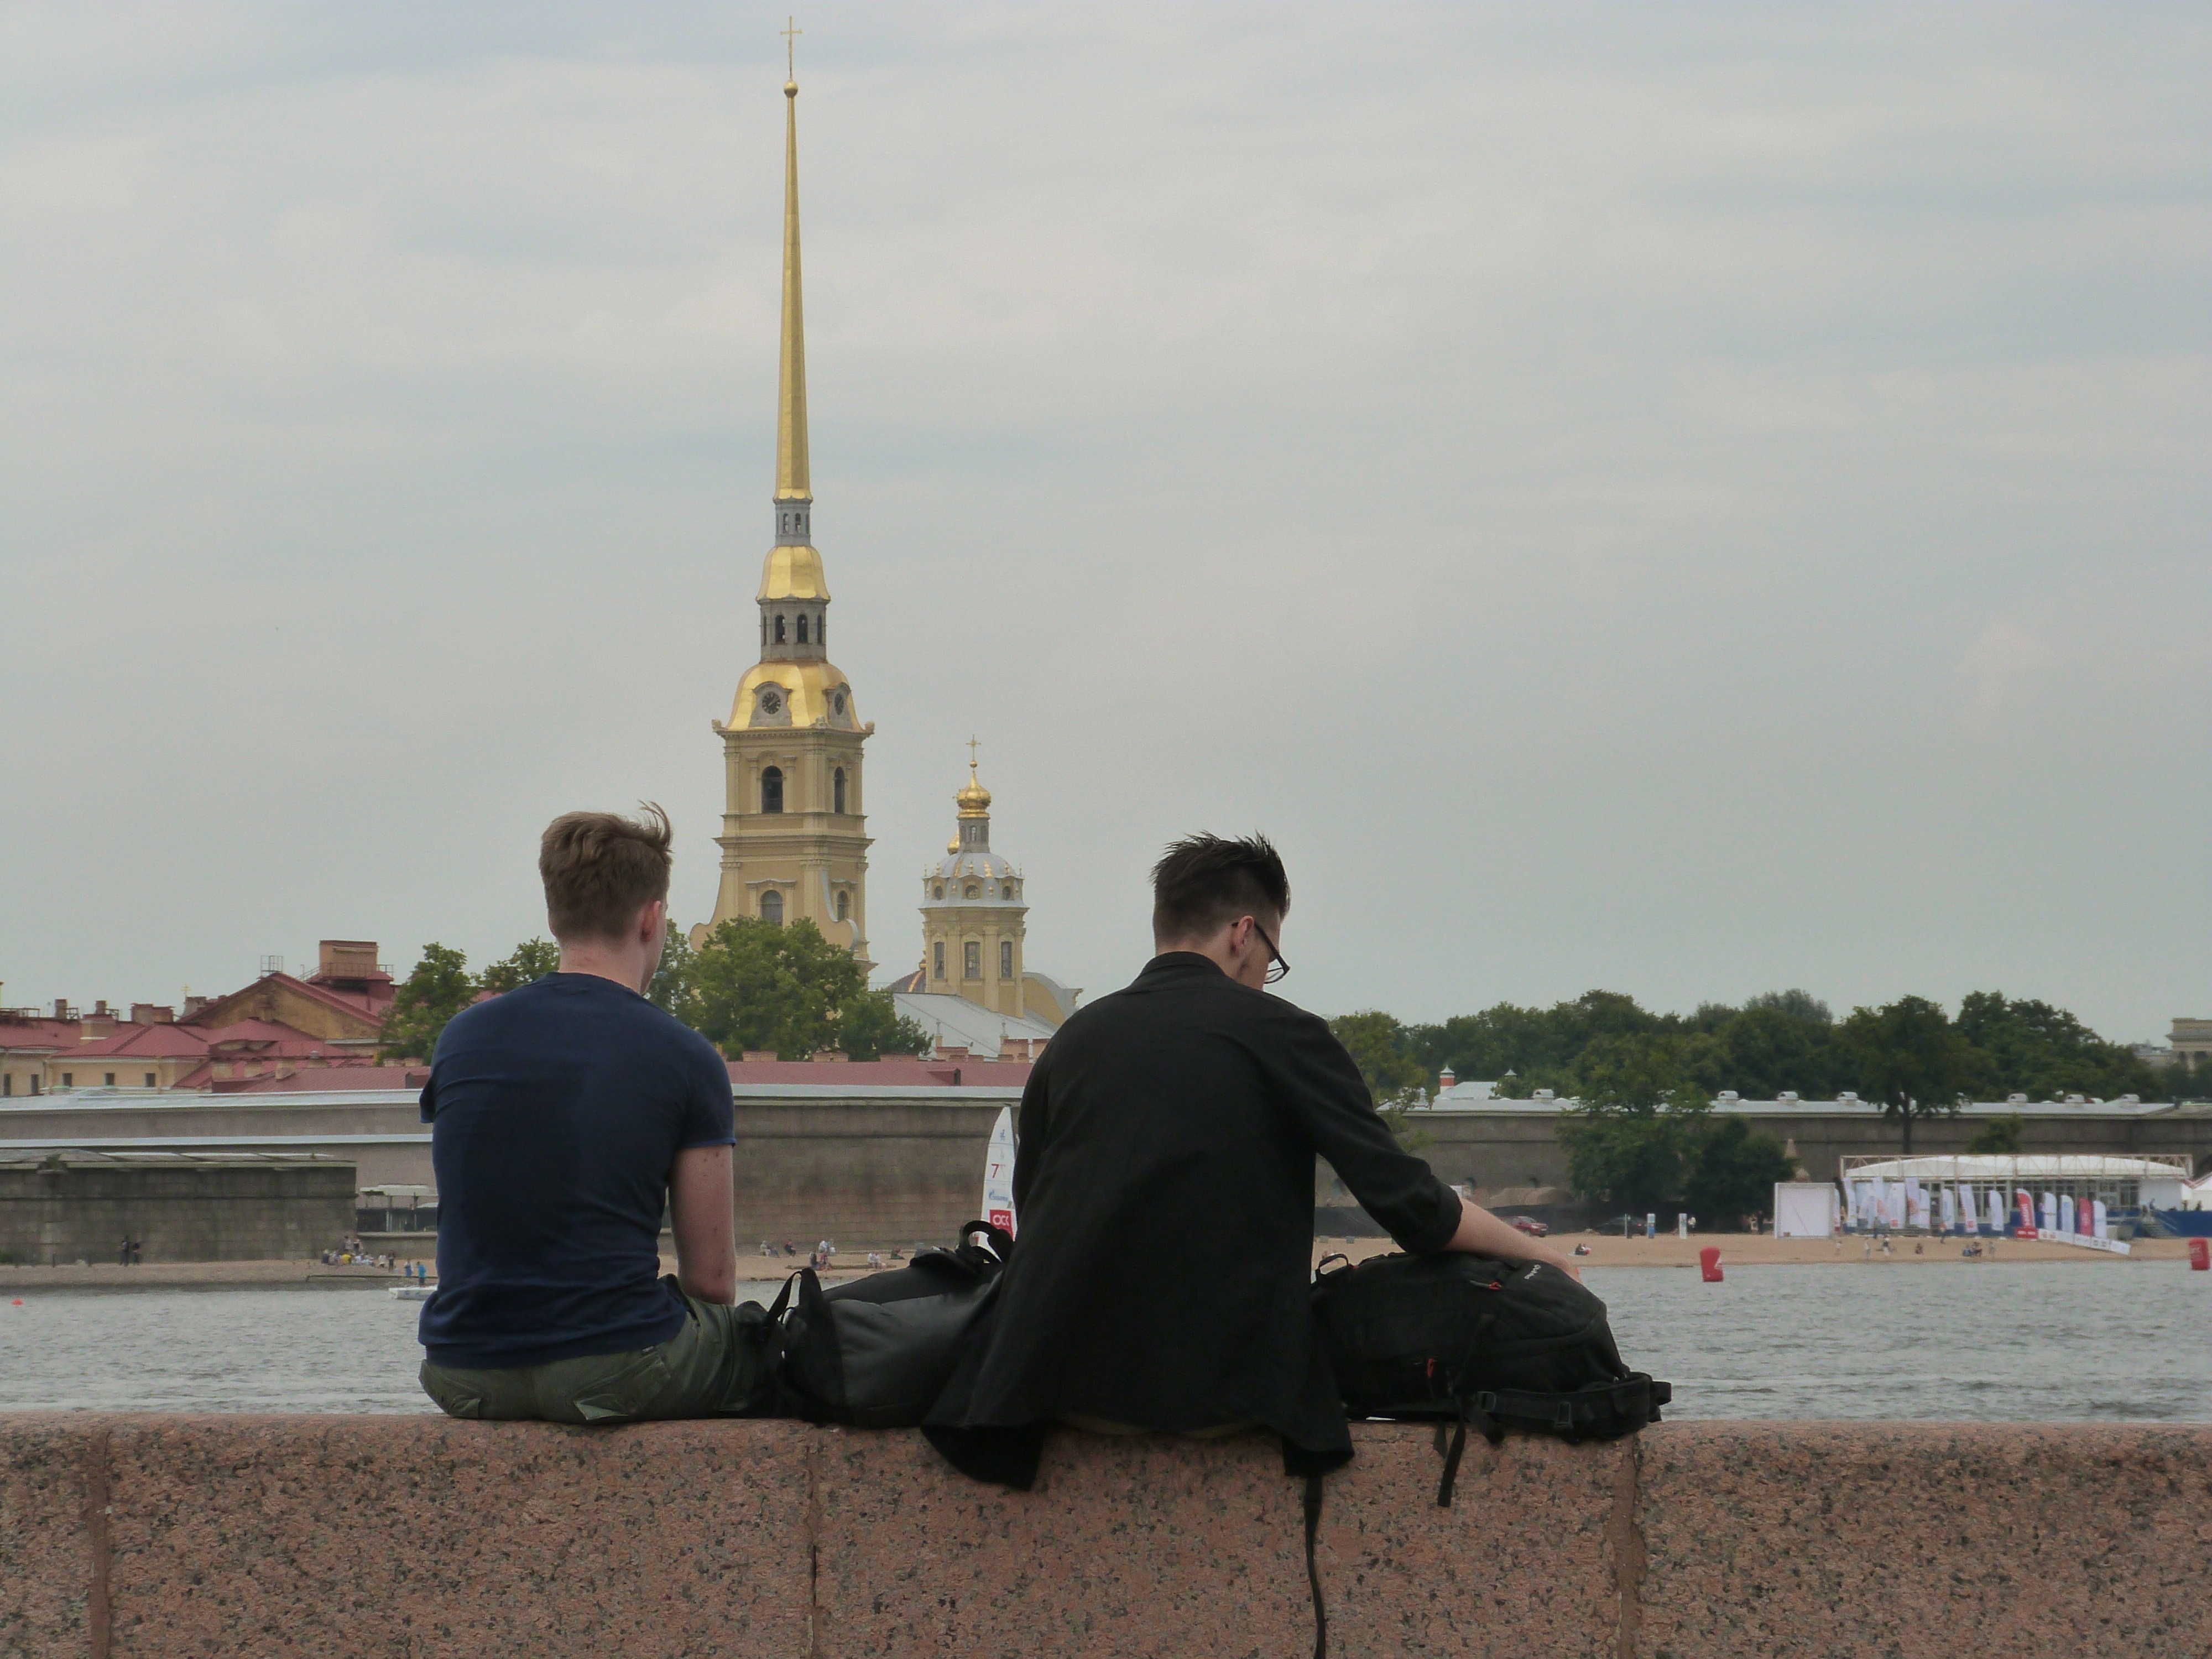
<point x="716" y="1366"/>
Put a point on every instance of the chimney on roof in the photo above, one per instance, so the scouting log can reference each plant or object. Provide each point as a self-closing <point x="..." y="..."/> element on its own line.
<point x="151" y="1013"/>
<point x="100" y="1009"/>
<point x="61" y="1008"/>
<point x="344" y="959"/>
<point x="194" y="1005"/>
<point x="1445" y="1079"/>
<point x="951" y="1051"/>
<point x="751" y="1054"/>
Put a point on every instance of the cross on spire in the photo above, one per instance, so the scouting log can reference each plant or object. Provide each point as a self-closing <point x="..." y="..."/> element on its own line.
<point x="790" y="30"/>
<point x="972" y="747"/>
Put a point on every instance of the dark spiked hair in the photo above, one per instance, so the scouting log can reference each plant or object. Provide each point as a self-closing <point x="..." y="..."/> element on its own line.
<point x="1203" y="882"/>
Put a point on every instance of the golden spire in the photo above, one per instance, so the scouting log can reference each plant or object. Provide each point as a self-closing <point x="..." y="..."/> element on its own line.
<point x="792" y="483"/>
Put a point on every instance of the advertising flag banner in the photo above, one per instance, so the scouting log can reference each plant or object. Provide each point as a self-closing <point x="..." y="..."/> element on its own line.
<point x="998" y="1173"/>
<point x="1996" y="1211"/>
<point x="2066" y="1213"/>
<point x="1950" y="1209"/>
<point x="2049" y="1211"/>
<point x="2103" y="1226"/>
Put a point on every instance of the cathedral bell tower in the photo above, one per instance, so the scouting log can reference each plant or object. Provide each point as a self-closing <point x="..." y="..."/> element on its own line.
<point x="794" y="837"/>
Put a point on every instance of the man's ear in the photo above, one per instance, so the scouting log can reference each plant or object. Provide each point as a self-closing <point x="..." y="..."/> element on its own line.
<point x="649" y="919"/>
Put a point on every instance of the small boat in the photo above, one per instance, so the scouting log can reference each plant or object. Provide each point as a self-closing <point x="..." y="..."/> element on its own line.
<point x="410" y="1292"/>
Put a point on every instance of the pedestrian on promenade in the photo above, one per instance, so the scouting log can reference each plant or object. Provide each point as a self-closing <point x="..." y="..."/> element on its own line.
<point x="564" y="1117"/>
<point x="1165" y="1181"/>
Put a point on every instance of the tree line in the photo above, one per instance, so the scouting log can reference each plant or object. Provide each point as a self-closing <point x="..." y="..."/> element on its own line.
<point x="749" y="986"/>
<point x="1640" y="1130"/>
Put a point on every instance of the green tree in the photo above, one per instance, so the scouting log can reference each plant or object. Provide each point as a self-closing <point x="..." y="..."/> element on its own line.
<point x="2046" y="1053"/>
<point x="437" y="989"/>
<point x="1379" y="1047"/>
<point x="528" y="962"/>
<point x="1999" y="1135"/>
<point x="1732" y="1172"/>
<point x="1908" y="1056"/>
<point x="1636" y="1121"/>
<point x="871" y="1026"/>
<point x="671" y="987"/>
<point x="753" y="985"/>
<point x="760" y="985"/>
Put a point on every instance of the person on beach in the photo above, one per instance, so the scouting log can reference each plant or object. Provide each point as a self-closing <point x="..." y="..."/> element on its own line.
<point x="1164" y="1181"/>
<point x="564" y="1116"/>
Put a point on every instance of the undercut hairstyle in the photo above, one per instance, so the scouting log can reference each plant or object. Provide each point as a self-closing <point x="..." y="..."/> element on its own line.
<point x="601" y="870"/>
<point x="1204" y="883"/>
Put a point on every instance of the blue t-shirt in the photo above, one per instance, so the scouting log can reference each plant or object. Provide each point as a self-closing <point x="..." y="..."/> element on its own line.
<point x="556" y="1113"/>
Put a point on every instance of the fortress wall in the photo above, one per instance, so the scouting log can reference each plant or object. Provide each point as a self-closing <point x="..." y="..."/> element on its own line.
<point x="427" y="1539"/>
<point x="862" y="1173"/>
<point x="183" y="1214"/>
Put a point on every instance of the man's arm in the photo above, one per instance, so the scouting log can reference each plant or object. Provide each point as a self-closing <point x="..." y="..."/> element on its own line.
<point x="1480" y="1233"/>
<point x="702" y="1212"/>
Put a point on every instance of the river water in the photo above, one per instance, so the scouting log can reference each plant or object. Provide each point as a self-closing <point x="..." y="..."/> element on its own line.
<point x="2000" y="1342"/>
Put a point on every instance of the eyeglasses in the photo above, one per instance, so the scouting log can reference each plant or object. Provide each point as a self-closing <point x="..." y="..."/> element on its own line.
<point x="1278" y="968"/>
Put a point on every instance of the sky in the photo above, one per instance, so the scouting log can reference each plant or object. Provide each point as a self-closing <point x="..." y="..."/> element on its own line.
<point x="1686" y="501"/>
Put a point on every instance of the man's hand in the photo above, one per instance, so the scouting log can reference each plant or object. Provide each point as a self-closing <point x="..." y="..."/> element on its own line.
<point x="1482" y="1233"/>
<point x="702" y="1213"/>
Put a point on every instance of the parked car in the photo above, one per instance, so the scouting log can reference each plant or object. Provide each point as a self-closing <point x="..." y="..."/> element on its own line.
<point x="1530" y="1226"/>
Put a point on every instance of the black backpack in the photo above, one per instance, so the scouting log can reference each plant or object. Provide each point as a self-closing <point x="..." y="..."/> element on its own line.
<point x="878" y="1351"/>
<point x="1465" y="1340"/>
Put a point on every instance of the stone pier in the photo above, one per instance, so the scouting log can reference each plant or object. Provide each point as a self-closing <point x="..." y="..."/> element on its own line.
<point x="418" y="1538"/>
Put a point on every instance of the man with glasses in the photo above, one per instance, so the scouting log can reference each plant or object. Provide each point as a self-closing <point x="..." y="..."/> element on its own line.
<point x="1164" y="1184"/>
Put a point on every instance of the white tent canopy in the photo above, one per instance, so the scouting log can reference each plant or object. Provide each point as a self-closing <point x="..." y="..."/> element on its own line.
<point x="1806" y="1209"/>
<point x="2018" y="1166"/>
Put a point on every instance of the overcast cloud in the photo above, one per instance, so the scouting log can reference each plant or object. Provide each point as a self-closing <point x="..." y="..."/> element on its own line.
<point x="1688" y="502"/>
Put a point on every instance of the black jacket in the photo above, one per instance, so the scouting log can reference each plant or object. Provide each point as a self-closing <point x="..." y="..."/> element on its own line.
<point x="1165" y="1189"/>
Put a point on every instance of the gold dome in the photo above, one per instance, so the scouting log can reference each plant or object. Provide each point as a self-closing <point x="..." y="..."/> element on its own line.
<point x="974" y="801"/>
<point x="811" y="691"/>
<point x="792" y="573"/>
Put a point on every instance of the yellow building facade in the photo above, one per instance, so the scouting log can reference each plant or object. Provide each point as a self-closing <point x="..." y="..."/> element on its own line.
<point x="975" y="922"/>
<point x="794" y="841"/>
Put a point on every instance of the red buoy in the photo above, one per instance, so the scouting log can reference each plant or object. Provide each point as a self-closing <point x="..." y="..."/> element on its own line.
<point x="1709" y="1263"/>
<point x="2200" y="1254"/>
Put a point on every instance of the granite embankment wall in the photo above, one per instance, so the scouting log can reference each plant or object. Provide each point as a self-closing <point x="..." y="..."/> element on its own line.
<point x="412" y="1538"/>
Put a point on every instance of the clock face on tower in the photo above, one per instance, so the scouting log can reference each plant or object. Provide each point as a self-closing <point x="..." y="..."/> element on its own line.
<point x="771" y="701"/>
<point x="839" y="701"/>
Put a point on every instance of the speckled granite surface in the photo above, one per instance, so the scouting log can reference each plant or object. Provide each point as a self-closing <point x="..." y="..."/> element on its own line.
<point x="394" y="1538"/>
<point x="1925" y="1540"/>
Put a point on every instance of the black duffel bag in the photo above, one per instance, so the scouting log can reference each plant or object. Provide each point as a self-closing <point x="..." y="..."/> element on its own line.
<point x="877" y="1353"/>
<point x="1469" y="1341"/>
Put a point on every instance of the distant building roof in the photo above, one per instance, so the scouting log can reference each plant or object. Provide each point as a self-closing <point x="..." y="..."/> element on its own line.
<point x="955" y="1022"/>
<point x="1480" y="1097"/>
<point x="326" y="1080"/>
<point x="898" y="1072"/>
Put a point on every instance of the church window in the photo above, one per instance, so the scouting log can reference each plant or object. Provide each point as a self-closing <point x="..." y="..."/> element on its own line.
<point x="802" y="628"/>
<point x="844" y="904"/>
<point x="940" y="958"/>
<point x="1005" y="958"/>
<point x="971" y="890"/>
<point x="937" y="892"/>
<point x="772" y="907"/>
<point x="779" y="628"/>
<point x="837" y="790"/>
<point x="771" y="789"/>
<point x="821" y="637"/>
<point x="971" y="960"/>
<point x="838" y="702"/>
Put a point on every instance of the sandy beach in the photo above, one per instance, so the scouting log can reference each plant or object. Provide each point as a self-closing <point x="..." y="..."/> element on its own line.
<point x="1761" y="1249"/>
